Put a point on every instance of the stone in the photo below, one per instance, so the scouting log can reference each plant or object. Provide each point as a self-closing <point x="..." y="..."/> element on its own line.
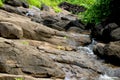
<point x="27" y="64"/>
<point x="75" y="30"/>
<point x="42" y="60"/>
<point x="22" y="77"/>
<point x="99" y="49"/>
<point x="105" y="33"/>
<point x="72" y="8"/>
<point x="17" y="3"/>
<point x="112" y="51"/>
<point x="44" y="52"/>
<point x="17" y="10"/>
<point x="109" y="52"/>
<point x="9" y="30"/>
<point x="115" y="34"/>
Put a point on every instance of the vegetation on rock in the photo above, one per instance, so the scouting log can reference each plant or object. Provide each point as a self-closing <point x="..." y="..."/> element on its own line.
<point x="97" y="10"/>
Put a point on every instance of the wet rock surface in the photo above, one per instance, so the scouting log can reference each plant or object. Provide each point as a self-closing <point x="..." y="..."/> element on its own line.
<point x="41" y="59"/>
<point x="110" y="51"/>
<point x="40" y="45"/>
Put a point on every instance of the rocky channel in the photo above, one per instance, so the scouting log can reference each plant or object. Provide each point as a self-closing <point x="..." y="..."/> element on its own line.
<point x="40" y="44"/>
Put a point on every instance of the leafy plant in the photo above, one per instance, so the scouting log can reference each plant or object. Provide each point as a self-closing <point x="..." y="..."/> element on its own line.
<point x="1" y="2"/>
<point x="97" y="12"/>
<point x="36" y="3"/>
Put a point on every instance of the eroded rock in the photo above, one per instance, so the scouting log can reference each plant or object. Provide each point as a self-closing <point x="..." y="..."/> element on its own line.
<point x="9" y="30"/>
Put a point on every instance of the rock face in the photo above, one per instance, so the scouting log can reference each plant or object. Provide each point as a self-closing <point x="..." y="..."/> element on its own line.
<point x="23" y="27"/>
<point x="110" y="52"/>
<point x="72" y="8"/>
<point x="106" y="33"/>
<point x="115" y="34"/>
<point x="32" y="49"/>
<point x="62" y="21"/>
<point x="28" y="62"/>
<point x="9" y="30"/>
<point x="44" y="60"/>
<point x="17" y="3"/>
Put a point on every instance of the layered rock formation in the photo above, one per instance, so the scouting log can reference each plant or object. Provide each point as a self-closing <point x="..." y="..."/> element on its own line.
<point x="32" y="48"/>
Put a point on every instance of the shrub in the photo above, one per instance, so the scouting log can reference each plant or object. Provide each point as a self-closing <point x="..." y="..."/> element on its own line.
<point x="97" y="12"/>
<point x="36" y="3"/>
<point x="1" y="2"/>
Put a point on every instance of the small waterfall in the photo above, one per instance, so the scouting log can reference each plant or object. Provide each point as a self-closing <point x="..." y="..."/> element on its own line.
<point x="106" y="77"/>
<point x="87" y="49"/>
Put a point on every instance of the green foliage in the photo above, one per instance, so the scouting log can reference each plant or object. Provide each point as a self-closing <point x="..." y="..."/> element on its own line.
<point x="25" y="42"/>
<point x="97" y="12"/>
<point x="54" y="3"/>
<point x="1" y="2"/>
<point x="19" y="78"/>
<point x="36" y="3"/>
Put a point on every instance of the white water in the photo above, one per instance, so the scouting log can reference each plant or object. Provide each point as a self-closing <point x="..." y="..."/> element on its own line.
<point x="32" y="11"/>
<point x="87" y="49"/>
<point x="106" y="77"/>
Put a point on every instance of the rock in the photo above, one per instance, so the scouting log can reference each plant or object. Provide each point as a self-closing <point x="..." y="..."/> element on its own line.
<point x="44" y="52"/>
<point x="33" y="12"/>
<point x="9" y="30"/>
<point x="75" y="30"/>
<point x="17" y="10"/>
<point x="17" y="3"/>
<point x="110" y="52"/>
<point x="96" y="31"/>
<point x="34" y="58"/>
<point x="45" y="8"/>
<point x="35" y="31"/>
<point x="106" y="33"/>
<point x="99" y="49"/>
<point x="62" y="21"/>
<point x="115" y="34"/>
<point x="21" y="77"/>
<point x="75" y="23"/>
<point x="72" y="8"/>
<point x="40" y="67"/>
<point x="25" y="4"/>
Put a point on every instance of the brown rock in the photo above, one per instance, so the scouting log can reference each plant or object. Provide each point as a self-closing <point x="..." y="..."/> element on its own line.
<point x="9" y="30"/>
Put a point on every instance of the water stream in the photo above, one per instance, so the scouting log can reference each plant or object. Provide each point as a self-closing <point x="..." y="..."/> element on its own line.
<point x="89" y="50"/>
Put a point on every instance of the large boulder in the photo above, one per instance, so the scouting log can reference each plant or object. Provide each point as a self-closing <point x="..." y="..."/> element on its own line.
<point x="62" y="21"/>
<point x="17" y="10"/>
<point x="115" y="34"/>
<point x="9" y="30"/>
<point x="110" y="52"/>
<point x="106" y="33"/>
<point x="35" y="31"/>
<point x="44" y="60"/>
<point x="22" y="77"/>
<point x="17" y="3"/>
<point x="72" y="8"/>
<point x="22" y="59"/>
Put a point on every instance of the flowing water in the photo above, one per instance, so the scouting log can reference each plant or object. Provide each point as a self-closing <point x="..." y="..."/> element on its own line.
<point x="89" y="50"/>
